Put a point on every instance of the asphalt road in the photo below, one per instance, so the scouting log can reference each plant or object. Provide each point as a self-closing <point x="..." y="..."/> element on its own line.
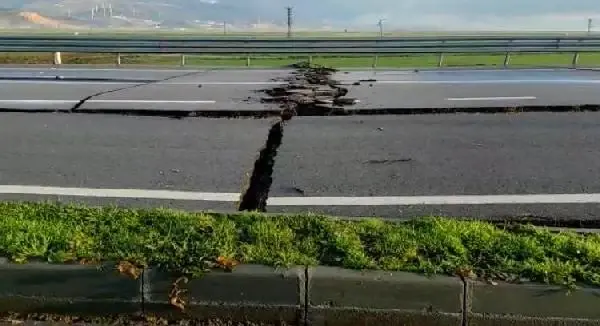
<point x="227" y="90"/>
<point x="381" y="157"/>
<point x="433" y="155"/>
<point x="441" y="155"/>
<point x="96" y="151"/>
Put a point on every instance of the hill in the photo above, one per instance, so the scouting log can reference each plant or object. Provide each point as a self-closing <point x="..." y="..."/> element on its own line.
<point x="183" y="12"/>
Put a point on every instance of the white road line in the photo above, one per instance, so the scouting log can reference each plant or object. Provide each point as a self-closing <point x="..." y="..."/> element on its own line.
<point x="47" y="102"/>
<point x="491" y="81"/>
<point x="195" y="83"/>
<point x="592" y="198"/>
<point x="437" y="200"/>
<point x="258" y="83"/>
<point x="120" y="193"/>
<point x="151" y="101"/>
<point x="496" y="98"/>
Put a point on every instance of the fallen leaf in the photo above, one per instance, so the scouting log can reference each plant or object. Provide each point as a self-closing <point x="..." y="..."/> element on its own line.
<point x="128" y="269"/>
<point x="465" y="273"/>
<point x="175" y="298"/>
<point x="226" y="263"/>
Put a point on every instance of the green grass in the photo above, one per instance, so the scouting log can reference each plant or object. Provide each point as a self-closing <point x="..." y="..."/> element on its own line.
<point x="185" y="242"/>
<point x="405" y="61"/>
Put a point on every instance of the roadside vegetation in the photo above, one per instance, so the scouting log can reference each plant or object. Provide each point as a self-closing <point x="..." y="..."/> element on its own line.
<point x="190" y="242"/>
<point x="396" y="61"/>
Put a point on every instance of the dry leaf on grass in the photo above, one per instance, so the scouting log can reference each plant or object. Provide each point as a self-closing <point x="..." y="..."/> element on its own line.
<point x="226" y="263"/>
<point x="465" y="273"/>
<point x="128" y="269"/>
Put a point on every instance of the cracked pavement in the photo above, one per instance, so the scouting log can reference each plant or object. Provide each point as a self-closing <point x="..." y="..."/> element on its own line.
<point x="305" y="145"/>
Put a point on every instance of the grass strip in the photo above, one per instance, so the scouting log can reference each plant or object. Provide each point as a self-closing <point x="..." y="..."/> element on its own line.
<point x="389" y="61"/>
<point x="185" y="241"/>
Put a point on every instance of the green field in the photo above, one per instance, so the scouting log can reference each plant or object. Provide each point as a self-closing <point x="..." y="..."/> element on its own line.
<point x="404" y="61"/>
<point x="187" y="242"/>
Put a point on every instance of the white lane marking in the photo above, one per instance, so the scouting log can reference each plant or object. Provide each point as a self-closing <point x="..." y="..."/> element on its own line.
<point x="496" y="98"/>
<point x="349" y="81"/>
<point x="437" y="200"/>
<point x="47" y="102"/>
<point x="150" y="102"/>
<point x="54" y="69"/>
<point x="120" y="193"/>
<point x="582" y="198"/>
<point x="493" y="81"/>
<point x="196" y="83"/>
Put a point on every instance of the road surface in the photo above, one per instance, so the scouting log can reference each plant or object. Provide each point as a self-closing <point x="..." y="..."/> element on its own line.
<point x="236" y="90"/>
<point x="487" y="165"/>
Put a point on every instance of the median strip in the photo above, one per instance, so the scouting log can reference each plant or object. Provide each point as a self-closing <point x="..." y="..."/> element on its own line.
<point x="66" y="259"/>
<point x="185" y="241"/>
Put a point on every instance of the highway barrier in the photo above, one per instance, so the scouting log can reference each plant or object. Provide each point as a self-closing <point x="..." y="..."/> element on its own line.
<point x="306" y="46"/>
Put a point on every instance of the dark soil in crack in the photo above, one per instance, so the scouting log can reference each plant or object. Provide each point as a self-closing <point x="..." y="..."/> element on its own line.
<point x="255" y="197"/>
<point x="310" y="91"/>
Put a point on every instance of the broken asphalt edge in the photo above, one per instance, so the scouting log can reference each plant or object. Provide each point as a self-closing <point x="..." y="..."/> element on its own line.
<point x="299" y="295"/>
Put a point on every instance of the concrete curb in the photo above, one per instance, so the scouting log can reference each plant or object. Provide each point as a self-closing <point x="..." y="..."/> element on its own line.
<point x="297" y="296"/>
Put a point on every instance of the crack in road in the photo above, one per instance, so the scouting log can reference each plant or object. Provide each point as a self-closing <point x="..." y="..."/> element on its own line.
<point x="145" y="83"/>
<point x="299" y="96"/>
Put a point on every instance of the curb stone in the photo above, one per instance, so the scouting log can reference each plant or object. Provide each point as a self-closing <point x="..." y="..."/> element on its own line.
<point x="527" y="304"/>
<point x="298" y="296"/>
<point x="67" y="289"/>
<point x="345" y="297"/>
<point x="249" y="292"/>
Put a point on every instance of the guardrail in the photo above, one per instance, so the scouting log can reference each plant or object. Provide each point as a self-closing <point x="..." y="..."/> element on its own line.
<point x="307" y="46"/>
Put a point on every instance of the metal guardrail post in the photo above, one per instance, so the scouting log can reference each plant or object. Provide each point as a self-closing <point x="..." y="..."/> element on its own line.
<point x="375" y="61"/>
<point x="57" y="58"/>
<point x="441" y="58"/>
<point x="118" y="59"/>
<point x="506" y="59"/>
<point x="248" y="61"/>
<point x="183" y="60"/>
<point x="575" y="59"/>
<point x="310" y="60"/>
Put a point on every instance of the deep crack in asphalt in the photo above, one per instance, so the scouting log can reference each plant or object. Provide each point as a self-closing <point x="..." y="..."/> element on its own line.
<point x="255" y="197"/>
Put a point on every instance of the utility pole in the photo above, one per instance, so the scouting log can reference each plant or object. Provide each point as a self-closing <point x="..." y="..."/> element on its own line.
<point x="289" y="21"/>
<point x="589" y="28"/>
<point x="224" y="28"/>
<point x="380" y="24"/>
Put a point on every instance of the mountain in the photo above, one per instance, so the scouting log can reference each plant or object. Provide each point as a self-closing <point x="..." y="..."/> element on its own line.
<point x="182" y="11"/>
<point x="422" y="14"/>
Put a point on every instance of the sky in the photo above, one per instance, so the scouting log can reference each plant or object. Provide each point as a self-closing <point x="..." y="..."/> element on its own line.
<point x="477" y="14"/>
